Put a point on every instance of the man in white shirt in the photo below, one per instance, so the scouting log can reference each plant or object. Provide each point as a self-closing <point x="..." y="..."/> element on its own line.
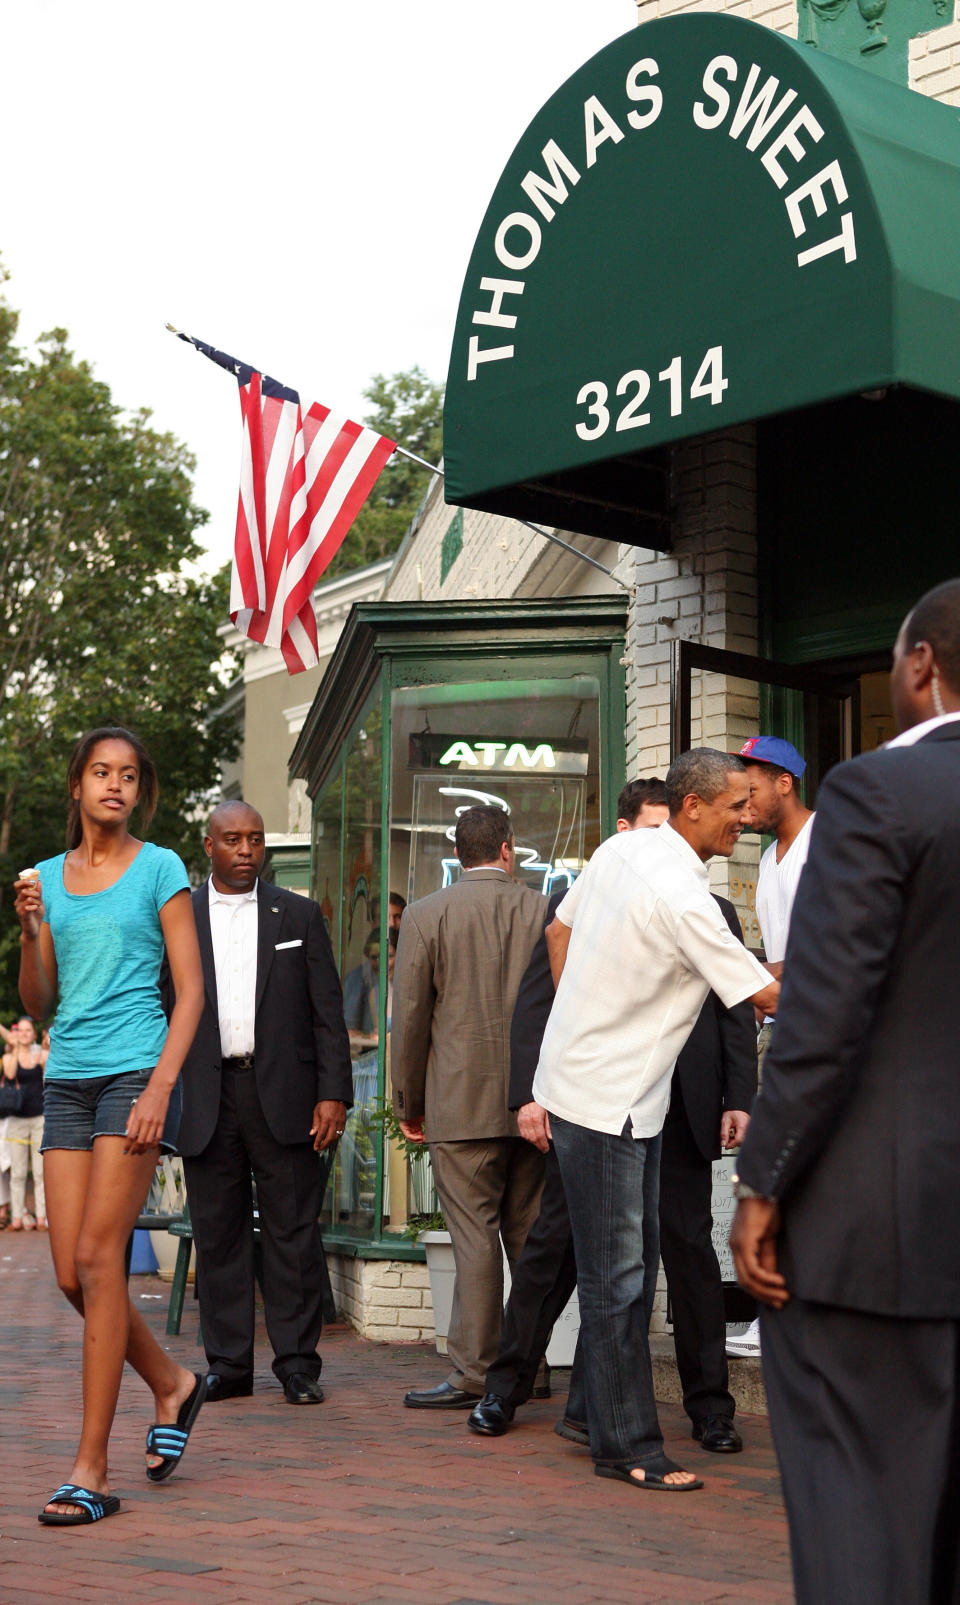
<point x="774" y="770"/>
<point x="635" y="947"/>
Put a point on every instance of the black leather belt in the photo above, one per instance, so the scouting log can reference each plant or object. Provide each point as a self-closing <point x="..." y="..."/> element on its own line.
<point x="240" y="1061"/>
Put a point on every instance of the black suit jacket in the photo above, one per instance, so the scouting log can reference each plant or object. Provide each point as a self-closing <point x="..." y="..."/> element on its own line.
<point x="857" y="1127"/>
<point x="302" y="1051"/>
<point x="530" y="1012"/>
<point x="717" y="1068"/>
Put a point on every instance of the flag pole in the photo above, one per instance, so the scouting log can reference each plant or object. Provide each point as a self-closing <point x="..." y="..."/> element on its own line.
<point x="537" y="530"/>
<point x="433" y="469"/>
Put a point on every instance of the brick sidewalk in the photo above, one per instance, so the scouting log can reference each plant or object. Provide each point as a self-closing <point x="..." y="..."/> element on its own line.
<point x="357" y="1500"/>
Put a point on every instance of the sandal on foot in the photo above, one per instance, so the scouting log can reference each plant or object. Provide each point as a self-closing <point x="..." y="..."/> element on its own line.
<point x="170" y="1441"/>
<point x="92" y="1507"/>
<point x="654" y="1472"/>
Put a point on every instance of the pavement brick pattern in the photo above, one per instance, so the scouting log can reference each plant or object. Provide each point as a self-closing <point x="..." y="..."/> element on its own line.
<point x="357" y="1501"/>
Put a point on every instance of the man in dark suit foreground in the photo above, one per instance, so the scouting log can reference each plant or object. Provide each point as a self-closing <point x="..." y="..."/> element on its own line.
<point x="714" y="1085"/>
<point x="849" y="1179"/>
<point x="266" y="1086"/>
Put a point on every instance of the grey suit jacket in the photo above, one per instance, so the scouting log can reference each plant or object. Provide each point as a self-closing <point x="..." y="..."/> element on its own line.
<point x="461" y="957"/>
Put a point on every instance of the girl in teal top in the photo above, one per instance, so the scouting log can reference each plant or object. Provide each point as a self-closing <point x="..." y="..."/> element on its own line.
<point x="94" y="923"/>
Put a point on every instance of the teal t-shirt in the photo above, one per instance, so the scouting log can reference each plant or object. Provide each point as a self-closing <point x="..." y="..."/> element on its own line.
<point x="109" y="947"/>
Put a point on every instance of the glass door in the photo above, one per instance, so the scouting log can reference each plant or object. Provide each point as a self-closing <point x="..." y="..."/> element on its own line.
<point x="819" y="711"/>
<point x="721" y="699"/>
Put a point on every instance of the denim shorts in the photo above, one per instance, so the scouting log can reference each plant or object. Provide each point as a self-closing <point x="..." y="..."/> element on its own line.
<point x="76" y="1111"/>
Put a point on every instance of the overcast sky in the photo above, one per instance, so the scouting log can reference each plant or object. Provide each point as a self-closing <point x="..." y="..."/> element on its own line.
<point x="298" y="183"/>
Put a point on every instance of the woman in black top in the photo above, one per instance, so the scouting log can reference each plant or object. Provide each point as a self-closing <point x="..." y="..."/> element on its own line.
<point x="24" y="1063"/>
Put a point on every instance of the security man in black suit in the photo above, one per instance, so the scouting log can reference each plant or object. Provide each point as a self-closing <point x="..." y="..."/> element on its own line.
<point x="849" y="1222"/>
<point x="711" y="1095"/>
<point x="266" y="1086"/>
<point x="713" y="1089"/>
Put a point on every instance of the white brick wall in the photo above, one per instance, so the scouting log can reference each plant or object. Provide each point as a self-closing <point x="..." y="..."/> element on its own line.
<point x="776" y="14"/>
<point x="934" y="57"/>
<point x="499" y="558"/>
<point x="386" y="1300"/>
<point x="934" y="63"/>
<point x="704" y="590"/>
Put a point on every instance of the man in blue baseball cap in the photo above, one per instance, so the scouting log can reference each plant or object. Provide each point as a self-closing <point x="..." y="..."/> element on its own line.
<point x="774" y="769"/>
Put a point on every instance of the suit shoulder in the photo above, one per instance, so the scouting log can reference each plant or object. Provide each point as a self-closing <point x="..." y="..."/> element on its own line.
<point x="533" y="902"/>
<point x="301" y="908"/>
<point x="427" y="910"/>
<point x="887" y="770"/>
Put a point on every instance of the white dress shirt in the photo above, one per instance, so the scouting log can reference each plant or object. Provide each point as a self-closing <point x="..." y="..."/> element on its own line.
<point x="647" y="943"/>
<point x="234" y="925"/>
<point x="916" y="732"/>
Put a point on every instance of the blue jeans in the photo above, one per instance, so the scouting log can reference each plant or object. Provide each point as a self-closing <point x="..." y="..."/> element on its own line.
<point x="577" y="1396"/>
<point x="604" y="1182"/>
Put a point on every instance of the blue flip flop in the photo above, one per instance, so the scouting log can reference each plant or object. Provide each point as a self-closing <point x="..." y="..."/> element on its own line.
<point x="168" y="1440"/>
<point x="93" y="1507"/>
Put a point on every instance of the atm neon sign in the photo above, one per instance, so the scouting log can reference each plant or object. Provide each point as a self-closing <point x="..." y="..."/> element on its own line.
<point x="499" y="755"/>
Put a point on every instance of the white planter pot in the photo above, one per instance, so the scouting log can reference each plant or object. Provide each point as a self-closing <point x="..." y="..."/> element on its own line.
<point x="443" y="1274"/>
<point x="442" y="1270"/>
<point x="566" y="1328"/>
<point x="165" y="1247"/>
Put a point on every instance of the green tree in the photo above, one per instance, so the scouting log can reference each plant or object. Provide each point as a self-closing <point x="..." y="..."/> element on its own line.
<point x="408" y="408"/>
<point x="103" y="616"/>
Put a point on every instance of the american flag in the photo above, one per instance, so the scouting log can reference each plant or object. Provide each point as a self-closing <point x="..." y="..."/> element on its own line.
<point x="303" y="479"/>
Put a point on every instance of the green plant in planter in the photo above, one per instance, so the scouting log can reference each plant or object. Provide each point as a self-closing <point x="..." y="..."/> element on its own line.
<point x="384" y="1115"/>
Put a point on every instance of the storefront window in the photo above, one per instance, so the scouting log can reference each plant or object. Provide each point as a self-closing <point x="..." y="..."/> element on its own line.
<point x="537" y="730"/>
<point x="362" y="969"/>
<point x="529" y="746"/>
<point x="327" y="822"/>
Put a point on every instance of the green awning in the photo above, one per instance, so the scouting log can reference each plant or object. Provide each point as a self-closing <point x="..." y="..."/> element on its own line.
<point x="708" y="223"/>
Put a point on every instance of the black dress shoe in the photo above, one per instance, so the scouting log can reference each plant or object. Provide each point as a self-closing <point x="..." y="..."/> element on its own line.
<point x="718" y="1434"/>
<point x="443" y="1397"/>
<point x="219" y="1387"/>
<point x="301" y="1388"/>
<point x="492" y="1416"/>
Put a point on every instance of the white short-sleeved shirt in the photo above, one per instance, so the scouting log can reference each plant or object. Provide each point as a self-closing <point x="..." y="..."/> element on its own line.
<point x="647" y="944"/>
<point x="776" y="889"/>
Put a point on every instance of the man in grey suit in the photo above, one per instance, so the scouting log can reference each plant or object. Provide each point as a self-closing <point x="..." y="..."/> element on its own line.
<point x="849" y="1178"/>
<point x="461" y="956"/>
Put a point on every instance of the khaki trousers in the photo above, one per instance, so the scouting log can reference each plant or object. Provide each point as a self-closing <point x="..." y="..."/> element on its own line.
<point x="24" y="1134"/>
<point x="489" y="1190"/>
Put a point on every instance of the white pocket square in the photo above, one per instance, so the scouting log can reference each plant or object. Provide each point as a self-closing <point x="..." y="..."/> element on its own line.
<point x="297" y="943"/>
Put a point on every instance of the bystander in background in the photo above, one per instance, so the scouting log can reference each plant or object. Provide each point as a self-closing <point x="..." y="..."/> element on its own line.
<point x="23" y="1064"/>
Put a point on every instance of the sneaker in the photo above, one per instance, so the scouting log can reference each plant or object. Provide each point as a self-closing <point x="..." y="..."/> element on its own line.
<point x="746" y="1346"/>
